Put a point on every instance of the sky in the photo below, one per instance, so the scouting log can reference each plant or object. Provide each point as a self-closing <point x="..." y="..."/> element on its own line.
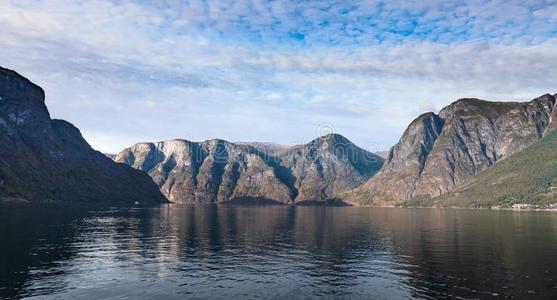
<point x="273" y="71"/>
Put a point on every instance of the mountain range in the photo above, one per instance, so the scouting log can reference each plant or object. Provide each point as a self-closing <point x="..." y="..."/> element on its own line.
<point x="473" y="153"/>
<point x="221" y="171"/>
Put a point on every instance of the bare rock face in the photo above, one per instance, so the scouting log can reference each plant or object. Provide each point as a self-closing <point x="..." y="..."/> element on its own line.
<point x="220" y="171"/>
<point x="438" y="152"/>
<point x="211" y="171"/>
<point x="328" y="166"/>
<point x="43" y="159"/>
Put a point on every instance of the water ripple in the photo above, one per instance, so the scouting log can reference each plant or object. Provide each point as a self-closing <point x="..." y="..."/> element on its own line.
<point x="275" y="253"/>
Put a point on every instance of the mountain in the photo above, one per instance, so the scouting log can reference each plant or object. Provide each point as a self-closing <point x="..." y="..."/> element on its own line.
<point x="439" y="152"/>
<point x="48" y="160"/>
<point x="529" y="176"/>
<point x="211" y="171"/>
<point x="327" y="166"/>
<point x="220" y="171"/>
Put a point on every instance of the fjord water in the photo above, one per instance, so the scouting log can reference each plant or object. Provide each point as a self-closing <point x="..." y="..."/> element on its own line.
<point x="224" y="252"/>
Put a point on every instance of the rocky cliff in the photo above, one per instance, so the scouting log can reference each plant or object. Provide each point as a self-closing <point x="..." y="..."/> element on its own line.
<point x="220" y="171"/>
<point x="438" y="152"/>
<point x="327" y="166"/>
<point x="44" y="159"/>
<point x="528" y="176"/>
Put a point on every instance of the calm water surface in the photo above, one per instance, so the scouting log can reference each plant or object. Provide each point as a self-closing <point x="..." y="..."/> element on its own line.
<point x="175" y="251"/>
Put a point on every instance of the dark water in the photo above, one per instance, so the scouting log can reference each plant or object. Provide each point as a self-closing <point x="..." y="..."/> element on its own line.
<point x="275" y="252"/>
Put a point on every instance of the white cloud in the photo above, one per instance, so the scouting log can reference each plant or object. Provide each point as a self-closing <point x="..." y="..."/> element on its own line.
<point x="126" y="72"/>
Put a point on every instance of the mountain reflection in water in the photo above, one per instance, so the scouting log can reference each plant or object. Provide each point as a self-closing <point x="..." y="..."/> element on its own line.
<point x="176" y="251"/>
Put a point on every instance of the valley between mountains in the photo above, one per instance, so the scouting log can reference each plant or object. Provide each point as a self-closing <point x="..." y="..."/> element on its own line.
<point x="473" y="153"/>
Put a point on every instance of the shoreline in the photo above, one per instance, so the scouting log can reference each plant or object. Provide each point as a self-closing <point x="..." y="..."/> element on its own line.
<point x="18" y="201"/>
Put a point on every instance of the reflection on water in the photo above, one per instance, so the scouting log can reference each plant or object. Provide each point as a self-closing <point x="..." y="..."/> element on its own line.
<point x="177" y="251"/>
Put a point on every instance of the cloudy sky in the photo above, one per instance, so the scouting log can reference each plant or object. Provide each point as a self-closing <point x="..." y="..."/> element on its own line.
<point x="282" y="71"/>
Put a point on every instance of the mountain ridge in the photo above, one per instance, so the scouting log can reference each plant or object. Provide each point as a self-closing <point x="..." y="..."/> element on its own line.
<point x="44" y="159"/>
<point x="299" y="173"/>
<point x="449" y="153"/>
<point x="437" y="152"/>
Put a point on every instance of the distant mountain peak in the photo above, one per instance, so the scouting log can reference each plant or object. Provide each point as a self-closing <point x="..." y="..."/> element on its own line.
<point x="332" y="138"/>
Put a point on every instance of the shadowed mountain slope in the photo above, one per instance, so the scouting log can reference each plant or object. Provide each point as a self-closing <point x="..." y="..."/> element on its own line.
<point x="43" y="159"/>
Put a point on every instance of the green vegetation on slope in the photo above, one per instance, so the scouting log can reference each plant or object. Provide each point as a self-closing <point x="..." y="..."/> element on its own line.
<point x="529" y="176"/>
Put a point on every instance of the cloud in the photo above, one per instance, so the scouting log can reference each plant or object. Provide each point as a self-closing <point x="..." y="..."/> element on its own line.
<point x="273" y="70"/>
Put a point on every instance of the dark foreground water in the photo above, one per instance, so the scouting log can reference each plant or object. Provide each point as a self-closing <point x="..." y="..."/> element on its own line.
<point x="275" y="252"/>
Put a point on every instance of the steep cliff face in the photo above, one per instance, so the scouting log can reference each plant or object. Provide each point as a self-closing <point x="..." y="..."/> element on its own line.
<point x="211" y="171"/>
<point x="439" y="152"/>
<point x="44" y="159"/>
<point x="528" y="176"/>
<point x="219" y="171"/>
